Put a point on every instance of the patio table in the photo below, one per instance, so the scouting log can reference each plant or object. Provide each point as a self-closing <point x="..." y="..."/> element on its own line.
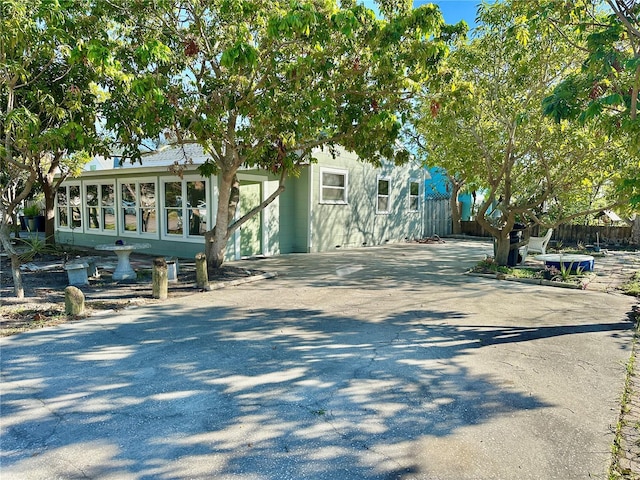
<point x="123" y="270"/>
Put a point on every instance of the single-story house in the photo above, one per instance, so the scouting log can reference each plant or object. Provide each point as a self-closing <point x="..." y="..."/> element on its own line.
<point x="338" y="202"/>
<point x="609" y="217"/>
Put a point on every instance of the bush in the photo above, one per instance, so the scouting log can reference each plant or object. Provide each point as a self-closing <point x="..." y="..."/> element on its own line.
<point x="32" y="210"/>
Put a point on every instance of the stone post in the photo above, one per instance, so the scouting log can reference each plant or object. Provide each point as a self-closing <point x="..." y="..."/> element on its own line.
<point x="73" y="301"/>
<point x="160" y="279"/>
<point x="202" y="277"/>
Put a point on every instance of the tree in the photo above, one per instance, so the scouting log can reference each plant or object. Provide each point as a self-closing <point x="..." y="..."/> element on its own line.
<point x="48" y="97"/>
<point x="443" y="148"/>
<point x="606" y="88"/>
<point x="488" y="123"/>
<point x="607" y="36"/>
<point x="262" y="83"/>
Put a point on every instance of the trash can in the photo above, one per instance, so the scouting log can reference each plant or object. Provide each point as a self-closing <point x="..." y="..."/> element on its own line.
<point x="515" y="236"/>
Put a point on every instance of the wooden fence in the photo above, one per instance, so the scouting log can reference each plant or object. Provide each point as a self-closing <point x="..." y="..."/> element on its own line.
<point x="437" y="217"/>
<point x="567" y="234"/>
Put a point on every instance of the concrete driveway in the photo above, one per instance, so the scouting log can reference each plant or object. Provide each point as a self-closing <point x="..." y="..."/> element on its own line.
<point x="379" y="363"/>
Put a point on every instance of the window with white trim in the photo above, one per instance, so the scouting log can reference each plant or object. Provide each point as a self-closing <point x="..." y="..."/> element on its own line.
<point x="334" y="185"/>
<point x="138" y="207"/>
<point x="100" y="210"/>
<point x="68" y="204"/>
<point x="384" y="186"/>
<point x="185" y="218"/>
<point x="414" y="195"/>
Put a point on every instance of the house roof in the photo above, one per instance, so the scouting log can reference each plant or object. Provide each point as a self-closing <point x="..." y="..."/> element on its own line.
<point x="168" y="154"/>
<point x="612" y="216"/>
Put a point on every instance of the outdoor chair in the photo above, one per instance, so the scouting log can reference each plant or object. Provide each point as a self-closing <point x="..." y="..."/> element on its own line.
<point x="539" y="244"/>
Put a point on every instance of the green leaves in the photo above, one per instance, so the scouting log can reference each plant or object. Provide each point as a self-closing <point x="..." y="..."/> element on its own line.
<point x="232" y="74"/>
<point x="153" y="51"/>
<point x="241" y="55"/>
<point x="498" y="118"/>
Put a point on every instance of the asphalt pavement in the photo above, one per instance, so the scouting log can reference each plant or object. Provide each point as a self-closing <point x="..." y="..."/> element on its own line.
<point x="376" y="363"/>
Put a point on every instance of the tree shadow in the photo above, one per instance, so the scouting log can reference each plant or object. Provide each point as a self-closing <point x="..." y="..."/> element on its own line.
<point x="270" y="393"/>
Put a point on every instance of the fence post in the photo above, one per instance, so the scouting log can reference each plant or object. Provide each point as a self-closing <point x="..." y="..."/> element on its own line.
<point x="160" y="279"/>
<point x="202" y="277"/>
<point x="73" y="301"/>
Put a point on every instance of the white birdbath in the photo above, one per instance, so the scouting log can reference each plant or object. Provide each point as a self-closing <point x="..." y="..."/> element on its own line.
<point x="123" y="270"/>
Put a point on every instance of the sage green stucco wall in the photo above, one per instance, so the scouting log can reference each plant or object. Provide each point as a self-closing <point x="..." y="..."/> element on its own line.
<point x="356" y="223"/>
<point x="294" y="215"/>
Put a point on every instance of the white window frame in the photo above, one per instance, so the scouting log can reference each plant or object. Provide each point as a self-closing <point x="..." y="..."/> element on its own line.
<point x="138" y="207"/>
<point x="69" y="207"/>
<point x="85" y="215"/>
<point x="345" y="189"/>
<point x="411" y="196"/>
<point x="162" y="207"/>
<point x="387" y="196"/>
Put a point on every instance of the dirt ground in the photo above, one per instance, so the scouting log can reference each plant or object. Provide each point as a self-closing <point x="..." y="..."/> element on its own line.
<point x="44" y="280"/>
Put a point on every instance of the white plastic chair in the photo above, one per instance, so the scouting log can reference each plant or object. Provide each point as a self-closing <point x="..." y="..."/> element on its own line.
<point x="539" y="244"/>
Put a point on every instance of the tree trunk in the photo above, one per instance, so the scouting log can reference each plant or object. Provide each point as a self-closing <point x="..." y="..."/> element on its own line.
<point x="503" y="245"/>
<point x="216" y="239"/>
<point x="456" y="213"/>
<point x="49" y="219"/>
<point x="47" y="178"/>
<point x="5" y="239"/>
<point x="501" y="233"/>
<point x="15" y="222"/>
<point x="215" y="243"/>
<point x="18" y="288"/>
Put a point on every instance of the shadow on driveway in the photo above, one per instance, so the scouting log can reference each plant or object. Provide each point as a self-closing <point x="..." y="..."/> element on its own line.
<point x="356" y="383"/>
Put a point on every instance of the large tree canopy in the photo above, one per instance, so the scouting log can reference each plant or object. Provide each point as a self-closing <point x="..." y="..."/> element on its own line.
<point x="485" y="120"/>
<point x="261" y="83"/>
<point x="606" y="34"/>
<point x="606" y="88"/>
<point x="48" y="102"/>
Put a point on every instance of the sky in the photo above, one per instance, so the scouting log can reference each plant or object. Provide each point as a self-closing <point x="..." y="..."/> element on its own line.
<point x="452" y="10"/>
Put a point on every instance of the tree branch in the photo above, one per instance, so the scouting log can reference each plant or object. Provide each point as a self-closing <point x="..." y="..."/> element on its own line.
<point x="254" y="211"/>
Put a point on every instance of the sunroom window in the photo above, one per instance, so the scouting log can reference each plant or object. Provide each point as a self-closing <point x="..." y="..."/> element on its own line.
<point x="100" y="207"/>
<point x="185" y="218"/>
<point x="139" y="213"/>
<point x="68" y="203"/>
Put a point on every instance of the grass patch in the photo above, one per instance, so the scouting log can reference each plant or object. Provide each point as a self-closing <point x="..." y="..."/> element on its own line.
<point x="525" y="272"/>
<point x="632" y="287"/>
<point x="488" y="265"/>
<point x="616" y="470"/>
<point x="563" y="274"/>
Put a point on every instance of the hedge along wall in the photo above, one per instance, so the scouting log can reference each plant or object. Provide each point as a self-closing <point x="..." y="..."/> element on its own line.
<point x="567" y="234"/>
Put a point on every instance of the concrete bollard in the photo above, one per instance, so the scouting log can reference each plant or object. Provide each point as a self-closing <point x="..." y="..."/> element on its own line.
<point x="160" y="279"/>
<point x="172" y="268"/>
<point x="73" y="301"/>
<point x="202" y="277"/>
